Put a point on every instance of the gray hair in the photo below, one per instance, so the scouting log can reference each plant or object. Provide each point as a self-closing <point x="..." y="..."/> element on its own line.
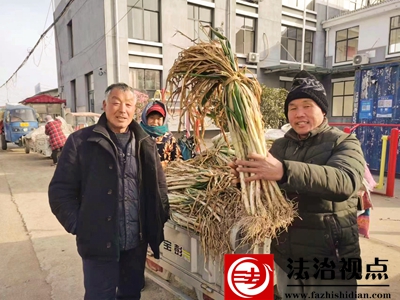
<point x="120" y="86"/>
<point x="48" y="118"/>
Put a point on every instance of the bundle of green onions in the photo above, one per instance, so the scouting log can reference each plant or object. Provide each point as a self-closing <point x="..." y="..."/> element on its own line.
<point x="203" y="201"/>
<point x="207" y="81"/>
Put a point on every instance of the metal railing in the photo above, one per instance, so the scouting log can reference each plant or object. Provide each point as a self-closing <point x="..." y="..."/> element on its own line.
<point x="393" y="139"/>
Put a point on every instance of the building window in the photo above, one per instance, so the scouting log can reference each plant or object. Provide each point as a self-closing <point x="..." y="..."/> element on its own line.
<point x="199" y="16"/>
<point x="343" y="100"/>
<point x="346" y="44"/>
<point x="299" y="3"/>
<point x="310" y="5"/>
<point x="394" y="39"/>
<point x="70" y="40"/>
<point x="353" y="5"/>
<point x="73" y="95"/>
<point x="143" y="20"/>
<point x="287" y="85"/>
<point x="291" y="42"/>
<point x="245" y="34"/>
<point x="90" y="90"/>
<point x="145" y="80"/>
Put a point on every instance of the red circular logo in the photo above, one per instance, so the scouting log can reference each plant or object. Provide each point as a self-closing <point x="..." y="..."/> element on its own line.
<point x="247" y="277"/>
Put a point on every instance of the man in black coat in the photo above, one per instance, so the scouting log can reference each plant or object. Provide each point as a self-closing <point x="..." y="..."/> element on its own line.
<point x="109" y="190"/>
<point x="321" y="169"/>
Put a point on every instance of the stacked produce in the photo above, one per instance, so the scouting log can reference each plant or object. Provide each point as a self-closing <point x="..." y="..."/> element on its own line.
<point x="207" y="81"/>
<point x="203" y="200"/>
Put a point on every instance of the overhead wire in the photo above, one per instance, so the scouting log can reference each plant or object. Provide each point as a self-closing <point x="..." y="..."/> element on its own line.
<point x="38" y="42"/>
<point x="53" y="25"/>
<point x="44" y="42"/>
<point x="58" y="48"/>
<point x="13" y="77"/>
<point x="84" y="51"/>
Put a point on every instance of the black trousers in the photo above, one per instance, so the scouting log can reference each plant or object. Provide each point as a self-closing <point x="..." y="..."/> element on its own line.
<point x="55" y="154"/>
<point x="110" y="280"/>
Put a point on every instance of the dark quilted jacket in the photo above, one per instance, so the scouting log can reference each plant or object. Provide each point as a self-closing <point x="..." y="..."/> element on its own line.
<point x="323" y="174"/>
<point x="83" y="192"/>
<point x="128" y="196"/>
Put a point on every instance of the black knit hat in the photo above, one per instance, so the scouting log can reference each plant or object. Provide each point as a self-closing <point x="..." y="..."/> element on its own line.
<point x="306" y="85"/>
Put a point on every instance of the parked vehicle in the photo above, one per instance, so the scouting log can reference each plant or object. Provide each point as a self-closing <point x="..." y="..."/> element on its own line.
<point x="182" y="257"/>
<point x="37" y="141"/>
<point x="80" y="120"/>
<point x="16" y="121"/>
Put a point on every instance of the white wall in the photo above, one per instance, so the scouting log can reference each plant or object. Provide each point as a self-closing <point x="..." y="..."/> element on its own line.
<point x="373" y="22"/>
<point x="89" y="50"/>
<point x="56" y="2"/>
<point x="269" y="34"/>
<point x="341" y="4"/>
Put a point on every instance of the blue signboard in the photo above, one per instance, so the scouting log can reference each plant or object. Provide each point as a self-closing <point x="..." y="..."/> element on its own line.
<point x="365" y="111"/>
<point x="385" y="107"/>
<point x="382" y="84"/>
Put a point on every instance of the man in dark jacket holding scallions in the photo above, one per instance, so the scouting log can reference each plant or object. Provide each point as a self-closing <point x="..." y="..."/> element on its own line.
<point x="321" y="168"/>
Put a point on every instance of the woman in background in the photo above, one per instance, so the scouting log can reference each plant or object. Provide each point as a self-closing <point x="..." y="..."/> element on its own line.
<point x="154" y="122"/>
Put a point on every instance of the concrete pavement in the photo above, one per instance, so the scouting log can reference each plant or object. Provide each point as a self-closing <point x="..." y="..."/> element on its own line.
<point x="21" y="276"/>
<point x="38" y="259"/>
<point x="384" y="243"/>
<point x="54" y="251"/>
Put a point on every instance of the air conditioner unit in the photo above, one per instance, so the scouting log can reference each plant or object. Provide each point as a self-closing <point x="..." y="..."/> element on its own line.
<point x="253" y="57"/>
<point x="360" y="59"/>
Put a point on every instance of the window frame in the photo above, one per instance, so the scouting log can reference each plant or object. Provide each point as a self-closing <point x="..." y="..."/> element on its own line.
<point x="390" y="34"/>
<point x="311" y="4"/>
<point x="343" y="95"/>
<point x="254" y="31"/>
<point x="138" y="86"/>
<point x="284" y="84"/>
<point x="285" y="51"/>
<point x="297" y="4"/>
<point x="252" y="1"/>
<point x="347" y="39"/>
<point x="89" y="77"/>
<point x="197" y="37"/>
<point x="73" y="94"/>
<point x="354" y="3"/>
<point x="70" y="36"/>
<point x="131" y="9"/>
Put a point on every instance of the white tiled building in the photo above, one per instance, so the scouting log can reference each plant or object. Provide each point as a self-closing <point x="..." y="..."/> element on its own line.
<point x="359" y="40"/>
<point x="100" y="42"/>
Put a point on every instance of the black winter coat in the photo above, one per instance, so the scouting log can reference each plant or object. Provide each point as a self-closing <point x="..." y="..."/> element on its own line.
<point x="83" y="192"/>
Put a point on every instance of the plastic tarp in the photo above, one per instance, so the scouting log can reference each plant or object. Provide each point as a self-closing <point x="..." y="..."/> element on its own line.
<point x="38" y="141"/>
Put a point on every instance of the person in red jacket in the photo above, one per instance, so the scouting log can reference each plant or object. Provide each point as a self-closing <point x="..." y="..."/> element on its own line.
<point x="57" y="138"/>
